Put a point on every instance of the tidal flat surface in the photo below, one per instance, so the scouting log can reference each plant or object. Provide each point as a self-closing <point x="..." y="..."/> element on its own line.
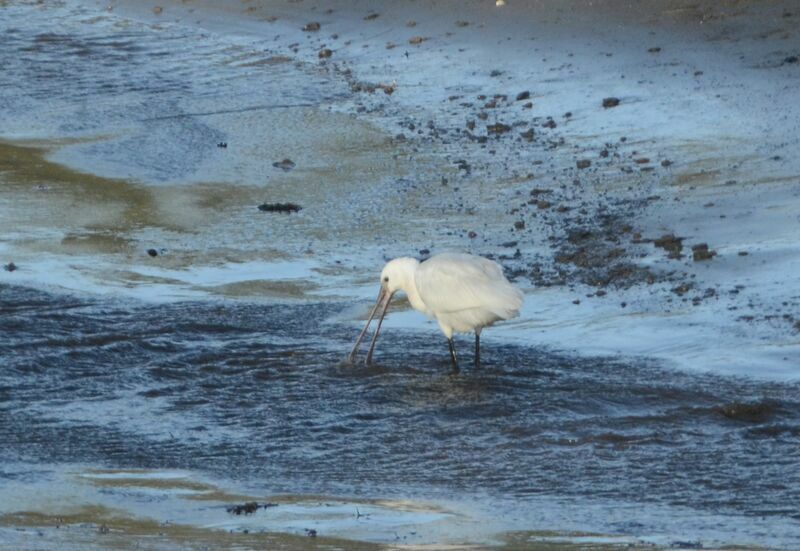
<point x="170" y="351"/>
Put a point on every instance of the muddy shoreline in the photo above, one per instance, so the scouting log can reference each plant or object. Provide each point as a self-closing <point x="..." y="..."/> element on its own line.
<point x="195" y="200"/>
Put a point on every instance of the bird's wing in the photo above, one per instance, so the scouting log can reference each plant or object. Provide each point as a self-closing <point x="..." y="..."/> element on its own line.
<point x="452" y="282"/>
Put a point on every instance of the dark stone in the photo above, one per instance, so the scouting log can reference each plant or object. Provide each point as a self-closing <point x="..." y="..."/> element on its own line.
<point x="248" y="508"/>
<point x="527" y="135"/>
<point x="222" y="144"/>
<point x="280" y="207"/>
<point x="325" y="53"/>
<point x="654" y="50"/>
<point x="472" y="235"/>
<point x="583" y="163"/>
<point x="791" y="59"/>
<point x="285" y="165"/>
<point x="673" y="245"/>
<point x="523" y="95"/>
<point x="10" y="267"/>
<point x="610" y="102"/>
<point x="700" y="252"/>
<point x="310" y="27"/>
<point x="497" y="128"/>
<point x="682" y="289"/>
<point x="152" y="252"/>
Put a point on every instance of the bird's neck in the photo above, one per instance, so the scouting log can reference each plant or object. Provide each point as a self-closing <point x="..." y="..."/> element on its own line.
<point x="416" y="301"/>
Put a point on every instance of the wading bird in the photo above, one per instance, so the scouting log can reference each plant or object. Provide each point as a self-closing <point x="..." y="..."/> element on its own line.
<point x="462" y="292"/>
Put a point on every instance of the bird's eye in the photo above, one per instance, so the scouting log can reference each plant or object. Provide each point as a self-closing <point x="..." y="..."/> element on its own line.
<point x="386" y="279"/>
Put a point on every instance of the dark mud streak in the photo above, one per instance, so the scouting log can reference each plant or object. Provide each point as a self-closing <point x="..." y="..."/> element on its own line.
<point x="258" y="392"/>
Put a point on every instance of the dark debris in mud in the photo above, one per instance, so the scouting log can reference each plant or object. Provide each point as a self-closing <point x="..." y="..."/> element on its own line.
<point x="248" y="508"/>
<point x="285" y="164"/>
<point x="286" y="208"/>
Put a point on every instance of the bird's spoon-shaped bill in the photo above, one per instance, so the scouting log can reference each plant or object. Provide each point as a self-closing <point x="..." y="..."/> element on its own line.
<point x="383" y="308"/>
<point x="381" y="303"/>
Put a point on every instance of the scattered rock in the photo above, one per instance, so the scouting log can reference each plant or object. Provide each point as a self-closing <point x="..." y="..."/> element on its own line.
<point x="701" y="252"/>
<point x="654" y="50"/>
<point x="682" y="289"/>
<point x="523" y="95"/>
<point x="549" y="124"/>
<point x="641" y="161"/>
<point x="519" y="225"/>
<point x="495" y="73"/>
<point x="542" y="204"/>
<point x="325" y="53"/>
<point x="462" y="23"/>
<point x="158" y="10"/>
<point x="286" y="165"/>
<point x="417" y="40"/>
<point x="280" y="207"/>
<point x="666" y="162"/>
<point x="152" y="252"/>
<point x="610" y="102"/>
<point x="311" y="27"/>
<point x="10" y="267"/>
<point x="791" y="59"/>
<point x="248" y="508"/>
<point x="371" y="16"/>
<point x="472" y="235"/>
<point x="583" y="163"/>
<point x="497" y="128"/>
<point x="673" y="245"/>
<point x="311" y="533"/>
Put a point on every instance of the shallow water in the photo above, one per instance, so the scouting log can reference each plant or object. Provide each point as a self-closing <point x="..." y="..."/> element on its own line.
<point x="258" y="394"/>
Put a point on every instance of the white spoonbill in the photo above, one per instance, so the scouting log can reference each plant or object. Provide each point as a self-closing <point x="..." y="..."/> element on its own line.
<point x="463" y="292"/>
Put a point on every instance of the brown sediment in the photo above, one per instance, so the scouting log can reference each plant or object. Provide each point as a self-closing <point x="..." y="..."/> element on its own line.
<point x="113" y="529"/>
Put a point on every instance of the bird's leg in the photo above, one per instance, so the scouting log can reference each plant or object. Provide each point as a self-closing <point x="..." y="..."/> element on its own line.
<point x="477" y="349"/>
<point x="453" y="354"/>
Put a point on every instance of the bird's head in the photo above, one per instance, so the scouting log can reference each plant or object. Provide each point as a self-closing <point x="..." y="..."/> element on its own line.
<point x="397" y="275"/>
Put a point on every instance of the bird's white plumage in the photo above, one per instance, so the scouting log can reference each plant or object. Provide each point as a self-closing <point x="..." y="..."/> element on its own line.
<point x="465" y="292"/>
